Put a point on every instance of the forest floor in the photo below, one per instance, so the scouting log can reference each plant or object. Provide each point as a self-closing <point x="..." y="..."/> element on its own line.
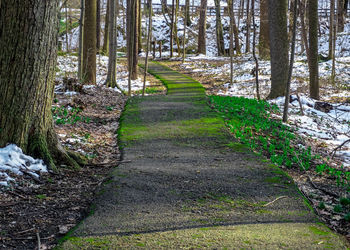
<point x="186" y="182"/>
<point x="86" y="121"/>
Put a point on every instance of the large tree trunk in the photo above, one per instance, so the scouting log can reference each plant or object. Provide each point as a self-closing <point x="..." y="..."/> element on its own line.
<point x="313" y="46"/>
<point x="89" y="43"/>
<point x="202" y="27"/>
<point x="28" y="42"/>
<point x="264" y="37"/>
<point x="278" y="47"/>
<point x="132" y="37"/>
<point x="219" y="32"/>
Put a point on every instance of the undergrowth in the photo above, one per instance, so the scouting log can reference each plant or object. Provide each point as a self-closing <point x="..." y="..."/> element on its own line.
<point x="251" y="122"/>
<point x="63" y="115"/>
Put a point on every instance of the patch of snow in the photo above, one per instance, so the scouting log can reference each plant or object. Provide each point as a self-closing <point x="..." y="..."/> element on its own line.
<point x="15" y="163"/>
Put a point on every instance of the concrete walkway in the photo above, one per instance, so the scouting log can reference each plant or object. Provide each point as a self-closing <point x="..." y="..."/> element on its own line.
<point x="189" y="184"/>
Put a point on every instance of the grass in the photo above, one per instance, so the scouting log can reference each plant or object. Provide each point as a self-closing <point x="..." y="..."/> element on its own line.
<point x="252" y="123"/>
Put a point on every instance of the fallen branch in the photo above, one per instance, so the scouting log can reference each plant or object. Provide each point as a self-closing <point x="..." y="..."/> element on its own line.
<point x="321" y="189"/>
<point x="108" y="164"/>
<point x="39" y="241"/>
<point x="339" y="147"/>
<point x="278" y="198"/>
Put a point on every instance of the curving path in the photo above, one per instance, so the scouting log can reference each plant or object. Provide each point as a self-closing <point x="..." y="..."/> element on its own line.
<point x="189" y="184"/>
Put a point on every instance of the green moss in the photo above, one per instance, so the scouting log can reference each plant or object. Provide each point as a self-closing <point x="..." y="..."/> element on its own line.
<point x="318" y="231"/>
<point x="239" y="147"/>
<point x="275" y="179"/>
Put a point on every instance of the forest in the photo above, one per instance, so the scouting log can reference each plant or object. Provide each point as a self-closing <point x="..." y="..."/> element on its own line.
<point x="171" y="124"/>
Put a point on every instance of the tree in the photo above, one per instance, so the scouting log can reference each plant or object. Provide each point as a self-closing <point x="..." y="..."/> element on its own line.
<point x="202" y="27"/>
<point x="290" y="71"/>
<point x="172" y="28"/>
<point x="105" y="45"/>
<point x="147" y="45"/>
<point x="132" y="39"/>
<point x="27" y="70"/>
<point x="80" y="50"/>
<point x="341" y="15"/>
<point x="313" y="48"/>
<point x="278" y="47"/>
<point x="264" y="37"/>
<point x="98" y="24"/>
<point x="234" y="27"/>
<point x="89" y="43"/>
<point x="331" y="28"/>
<point x="111" y="74"/>
<point x="247" y="41"/>
<point x="219" y="32"/>
<point x="254" y="55"/>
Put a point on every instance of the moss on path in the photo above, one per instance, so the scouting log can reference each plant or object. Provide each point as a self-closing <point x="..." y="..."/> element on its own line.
<point x="189" y="184"/>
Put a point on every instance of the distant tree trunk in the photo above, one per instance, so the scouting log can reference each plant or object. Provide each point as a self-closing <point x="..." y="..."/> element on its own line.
<point x="187" y="9"/>
<point x="67" y="28"/>
<point x="230" y="9"/>
<point x="139" y="31"/>
<point x="254" y="55"/>
<point x="303" y="27"/>
<point x="81" y="27"/>
<point x="313" y="46"/>
<point x="89" y="43"/>
<point x="175" y="27"/>
<point x="247" y="39"/>
<point x="237" y="46"/>
<point x="98" y="24"/>
<point x="111" y="80"/>
<point x="27" y="73"/>
<point x="341" y="15"/>
<point x="219" y="33"/>
<point x="188" y="17"/>
<point x="172" y="28"/>
<point x="331" y="28"/>
<point x="147" y="45"/>
<point x="290" y="71"/>
<point x="202" y="27"/>
<point x="278" y="47"/>
<point x="106" y="36"/>
<point x="264" y="37"/>
<point x="132" y="39"/>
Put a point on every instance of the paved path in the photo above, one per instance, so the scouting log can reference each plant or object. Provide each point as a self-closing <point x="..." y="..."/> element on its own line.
<point x="190" y="184"/>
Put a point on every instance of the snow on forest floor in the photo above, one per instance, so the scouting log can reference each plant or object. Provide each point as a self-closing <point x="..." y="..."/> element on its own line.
<point x="330" y="126"/>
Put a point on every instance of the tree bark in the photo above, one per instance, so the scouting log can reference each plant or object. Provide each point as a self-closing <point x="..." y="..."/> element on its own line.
<point x="254" y="55"/>
<point x="147" y="45"/>
<point x="264" y="37"/>
<point x="278" y="47"/>
<point x="105" y="35"/>
<point x="111" y="81"/>
<point x="331" y="28"/>
<point x="219" y="33"/>
<point x="89" y="43"/>
<point x="247" y="41"/>
<point x="98" y="24"/>
<point x="234" y="27"/>
<point x="202" y="27"/>
<point x="172" y="28"/>
<point x="132" y="38"/>
<point x="313" y="46"/>
<point x="341" y="15"/>
<point x="80" y="51"/>
<point x="28" y="42"/>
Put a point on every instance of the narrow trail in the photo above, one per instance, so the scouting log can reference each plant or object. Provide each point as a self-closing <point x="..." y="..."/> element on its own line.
<point x="186" y="183"/>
